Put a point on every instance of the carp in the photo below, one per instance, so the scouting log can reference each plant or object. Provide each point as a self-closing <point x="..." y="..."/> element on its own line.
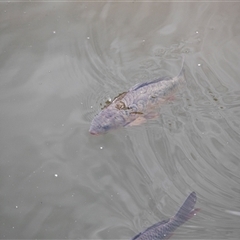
<point x="165" y="229"/>
<point x="137" y="105"/>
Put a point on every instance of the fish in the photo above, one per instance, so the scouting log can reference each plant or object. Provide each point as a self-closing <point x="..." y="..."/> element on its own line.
<point x="165" y="229"/>
<point x="137" y="105"/>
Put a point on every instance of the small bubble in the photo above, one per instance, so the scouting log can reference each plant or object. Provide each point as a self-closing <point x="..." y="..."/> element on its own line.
<point x="54" y="32"/>
<point x="194" y="214"/>
<point x="196" y="31"/>
<point x="109" y="99"/>
<point x="81" y="103"/>
<point x="143" y="40"/>
<point x="62" y="125"/>
<point x="199" y="64"/>
<point x="91" y="106"/>
<point x="16" y="206"/>
<point x="101" y="148"/>
<point x="88" y="38"/>
<point x="55" y="175"/>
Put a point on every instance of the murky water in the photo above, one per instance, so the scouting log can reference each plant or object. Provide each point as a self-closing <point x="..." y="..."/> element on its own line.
<point x="60" y="62"/>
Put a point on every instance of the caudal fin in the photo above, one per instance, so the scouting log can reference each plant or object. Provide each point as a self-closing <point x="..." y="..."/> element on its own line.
<point x="181" y="73"/>
<point x="187" y="210"/>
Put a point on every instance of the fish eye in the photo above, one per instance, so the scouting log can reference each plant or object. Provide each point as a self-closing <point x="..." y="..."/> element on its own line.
<point x="106" y="127"/>
<point x="133" y="108"/>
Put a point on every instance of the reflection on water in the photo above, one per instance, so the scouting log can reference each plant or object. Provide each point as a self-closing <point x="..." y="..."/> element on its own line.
<point x="60" y="62"/>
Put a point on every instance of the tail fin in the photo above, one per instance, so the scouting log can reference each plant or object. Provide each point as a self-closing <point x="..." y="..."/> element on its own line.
<point x="182" y="69"/>
<point x="187" y="210"/>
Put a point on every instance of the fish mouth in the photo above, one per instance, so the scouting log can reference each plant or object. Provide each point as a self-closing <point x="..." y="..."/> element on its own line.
<point x="94" y="131"/>
<point x="91" y="131"/>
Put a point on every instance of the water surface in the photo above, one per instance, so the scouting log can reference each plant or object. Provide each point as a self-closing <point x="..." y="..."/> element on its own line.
<point x="60" y="62"/>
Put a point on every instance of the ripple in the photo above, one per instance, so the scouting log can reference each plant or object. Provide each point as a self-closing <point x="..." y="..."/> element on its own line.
<point x="57" y="70"/>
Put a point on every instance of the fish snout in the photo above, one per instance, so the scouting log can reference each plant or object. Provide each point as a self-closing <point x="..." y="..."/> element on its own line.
<point x="97" y="129"/>
<point x="93" y="131"/>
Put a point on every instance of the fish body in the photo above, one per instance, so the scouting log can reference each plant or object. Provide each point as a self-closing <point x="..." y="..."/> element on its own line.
<point x="165" y="229"/>
<point x="137" y="105"/>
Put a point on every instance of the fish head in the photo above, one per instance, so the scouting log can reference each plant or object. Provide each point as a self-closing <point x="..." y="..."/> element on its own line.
<point x="106" y="120"/>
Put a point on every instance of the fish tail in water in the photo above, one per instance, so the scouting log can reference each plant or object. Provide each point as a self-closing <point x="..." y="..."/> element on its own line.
<point x="187" y="210"/>
<point x="181" y="73"/>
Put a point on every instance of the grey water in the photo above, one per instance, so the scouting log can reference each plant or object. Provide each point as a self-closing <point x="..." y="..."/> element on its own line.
<point x="60" y="61"/>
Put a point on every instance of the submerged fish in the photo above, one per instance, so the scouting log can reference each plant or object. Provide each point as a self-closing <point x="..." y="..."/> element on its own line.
<point x="137" y="105"/>
<point x="165" y="229"/>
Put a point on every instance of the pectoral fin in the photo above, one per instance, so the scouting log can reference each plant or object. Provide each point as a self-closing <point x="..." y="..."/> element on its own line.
<point x="143" y="118"/>
<point x="152" y="115"/>
<point x="138" y="121"/>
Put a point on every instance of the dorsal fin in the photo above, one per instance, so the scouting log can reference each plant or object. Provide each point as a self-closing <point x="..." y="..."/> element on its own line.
<point x="136" y="86"/>
<point x="139" y="85"/>
<point x="136" y="236"/>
